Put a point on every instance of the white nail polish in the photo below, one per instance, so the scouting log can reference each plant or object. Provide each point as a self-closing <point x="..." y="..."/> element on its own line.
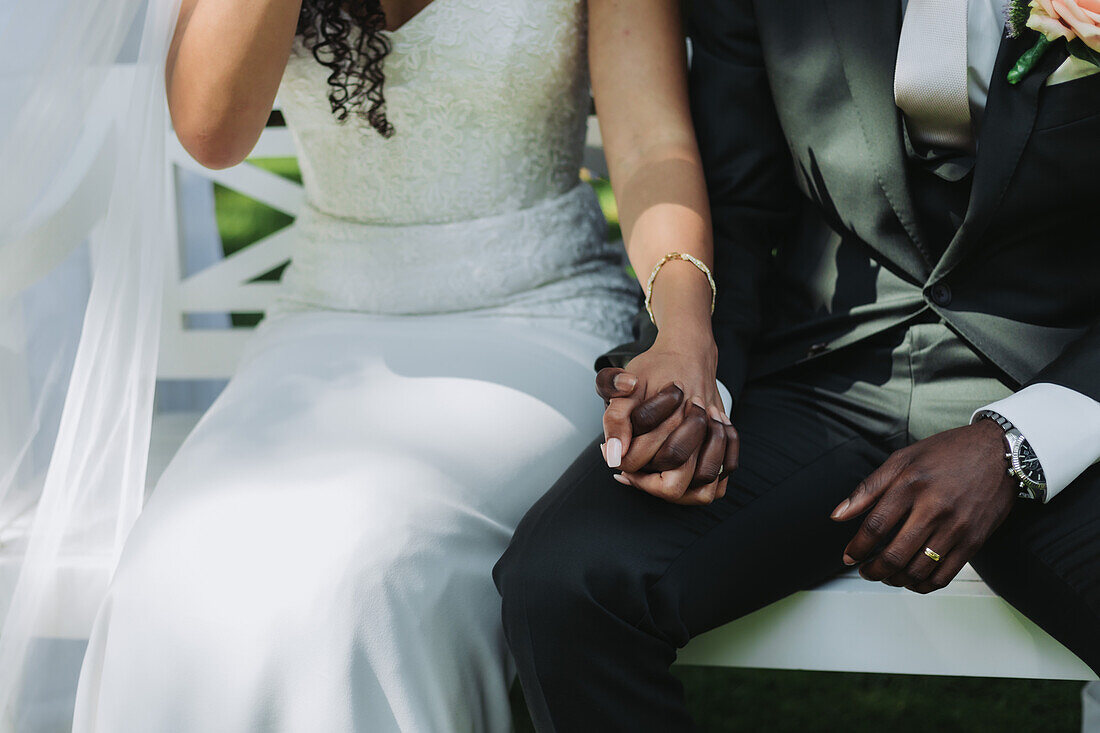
<point x="614" y="452"/>
<point x="624" y="382"/>
<point x="621" y="479"/>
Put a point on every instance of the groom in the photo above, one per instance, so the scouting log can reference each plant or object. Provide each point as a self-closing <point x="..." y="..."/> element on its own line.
<point x="908" y="267"/>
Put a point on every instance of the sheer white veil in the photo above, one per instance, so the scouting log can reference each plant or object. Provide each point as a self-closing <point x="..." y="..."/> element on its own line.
<point x="83" y="244"/>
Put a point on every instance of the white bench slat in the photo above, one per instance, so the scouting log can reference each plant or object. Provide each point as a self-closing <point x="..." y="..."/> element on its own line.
<point x="275" y="142"/>
<point x="262" y="185"/>
<point x="245" y="298"/>
<point x="852" y="625"/>
<point x="225" y="286"/>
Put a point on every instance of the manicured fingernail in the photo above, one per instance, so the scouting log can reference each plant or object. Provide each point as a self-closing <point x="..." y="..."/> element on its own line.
<point x="848" y="560"/>
<point x="841" y="509"/>
<point x="613" y="452"/>
<point x="724" y="417"/>
<point x="621" y="479"/>
<point x="624" y="382"/>
<point x="715" y="413"/>
<point x="603" y="450"/>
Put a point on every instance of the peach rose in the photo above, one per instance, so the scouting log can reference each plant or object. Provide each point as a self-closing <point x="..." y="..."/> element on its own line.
<point x="1067" y="19"/>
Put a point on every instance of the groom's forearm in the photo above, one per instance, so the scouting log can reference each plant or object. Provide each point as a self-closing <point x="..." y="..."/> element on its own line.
<point x="1077" y="367"/>
<point x="750" y="176"/>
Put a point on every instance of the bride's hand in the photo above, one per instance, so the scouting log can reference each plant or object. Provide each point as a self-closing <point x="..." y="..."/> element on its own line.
<point x="665" y="425"/>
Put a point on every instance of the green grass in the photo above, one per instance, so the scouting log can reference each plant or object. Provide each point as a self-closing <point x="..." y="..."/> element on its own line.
<point x="723" y="699"/>
<point x="610" y="208"/>
<point x="766" y="700"/>
<point x="741" y="700"/>
<point x="241" y="220"/>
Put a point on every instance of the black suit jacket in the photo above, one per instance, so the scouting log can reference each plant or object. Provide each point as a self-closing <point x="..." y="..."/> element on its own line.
<point x="817" y="241"/>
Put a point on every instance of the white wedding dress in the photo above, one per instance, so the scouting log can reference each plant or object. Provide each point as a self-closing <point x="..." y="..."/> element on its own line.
<point x="317" y="557"/>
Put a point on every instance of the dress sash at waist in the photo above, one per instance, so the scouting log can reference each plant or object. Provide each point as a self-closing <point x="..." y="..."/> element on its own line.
<point x="436" y="268"/>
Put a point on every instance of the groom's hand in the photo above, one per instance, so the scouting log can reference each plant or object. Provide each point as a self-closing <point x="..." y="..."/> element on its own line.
<point x="948" y="493"/>
<point x="674" y="451"/>
<point x="628" y="414"/>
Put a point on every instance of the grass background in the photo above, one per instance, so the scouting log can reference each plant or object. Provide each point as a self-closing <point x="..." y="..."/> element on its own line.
<point x="770" y="700"/>
<point x="777" y="701"/>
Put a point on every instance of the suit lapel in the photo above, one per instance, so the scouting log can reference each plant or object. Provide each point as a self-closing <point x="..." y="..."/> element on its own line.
<point x="867" y="34"/>
<point x="1006" y="128"/>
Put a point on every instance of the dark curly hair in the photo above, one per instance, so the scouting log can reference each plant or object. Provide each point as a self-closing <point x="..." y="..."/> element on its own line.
<point x="346" y="37"/>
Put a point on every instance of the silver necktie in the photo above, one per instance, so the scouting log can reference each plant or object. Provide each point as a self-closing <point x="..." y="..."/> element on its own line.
<point x="930" y="80"/>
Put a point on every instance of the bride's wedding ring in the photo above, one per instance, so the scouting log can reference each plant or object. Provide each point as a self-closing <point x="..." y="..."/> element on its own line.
<point x="932" y="554"/>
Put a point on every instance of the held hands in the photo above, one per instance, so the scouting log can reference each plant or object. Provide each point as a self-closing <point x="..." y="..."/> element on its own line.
<point x="947" y="493"/>
<point x="667" y="431"/>
<point x="665" y="426"/>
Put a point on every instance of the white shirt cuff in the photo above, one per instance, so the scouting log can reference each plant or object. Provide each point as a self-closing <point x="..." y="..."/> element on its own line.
<point x="727" y="398"/>
<point x="1062" y="426"/>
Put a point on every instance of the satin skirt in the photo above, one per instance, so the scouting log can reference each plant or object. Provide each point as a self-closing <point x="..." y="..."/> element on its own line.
<point x="317" y="556"/>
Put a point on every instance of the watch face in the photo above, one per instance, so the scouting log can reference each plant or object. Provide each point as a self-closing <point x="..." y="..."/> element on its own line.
<point x="1029" y="464"/>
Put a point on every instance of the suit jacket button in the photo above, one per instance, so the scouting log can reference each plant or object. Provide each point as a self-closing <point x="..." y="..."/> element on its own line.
<point x="940" y="294"/>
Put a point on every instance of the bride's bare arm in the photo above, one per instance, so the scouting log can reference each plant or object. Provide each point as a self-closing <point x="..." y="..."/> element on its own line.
<point x="639" y="78"/>
<point x="223" y="70"/>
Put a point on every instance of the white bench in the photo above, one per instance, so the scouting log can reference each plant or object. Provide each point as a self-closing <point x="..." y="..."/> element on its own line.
<point x="847" y="624"/>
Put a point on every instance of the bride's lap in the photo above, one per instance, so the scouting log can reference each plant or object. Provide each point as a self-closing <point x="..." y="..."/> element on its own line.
<point x="356" y="480"/>
<point x="482" y="405"/>
<point x="380" y="428"/>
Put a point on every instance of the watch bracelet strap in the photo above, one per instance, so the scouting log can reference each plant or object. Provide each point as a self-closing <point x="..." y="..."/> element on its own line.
<point x="1006" y="425"/>
<point x="995" y="417"/>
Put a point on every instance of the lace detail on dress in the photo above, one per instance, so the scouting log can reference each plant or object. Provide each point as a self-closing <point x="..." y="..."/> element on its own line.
<point x="474" y="203"/>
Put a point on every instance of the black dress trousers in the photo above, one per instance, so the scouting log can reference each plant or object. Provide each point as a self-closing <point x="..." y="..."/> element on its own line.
<point x="603" y="583"/>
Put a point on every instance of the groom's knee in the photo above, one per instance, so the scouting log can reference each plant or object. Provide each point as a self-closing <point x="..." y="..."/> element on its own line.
<point x="546" y="579"/>
<point x="564" y="562"/>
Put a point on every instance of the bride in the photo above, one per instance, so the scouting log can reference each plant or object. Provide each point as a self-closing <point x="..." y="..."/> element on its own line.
<point x="317" y="556"/>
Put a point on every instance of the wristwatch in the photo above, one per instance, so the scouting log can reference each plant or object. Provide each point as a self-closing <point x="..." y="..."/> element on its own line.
<point x="1023" y="464"/>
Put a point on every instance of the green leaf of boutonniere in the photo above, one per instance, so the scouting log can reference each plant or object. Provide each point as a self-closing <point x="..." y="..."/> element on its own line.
<point x="1078" y="48"/>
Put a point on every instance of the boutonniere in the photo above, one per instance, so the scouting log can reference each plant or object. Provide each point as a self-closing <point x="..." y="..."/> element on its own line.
<point x="1073" y="22"/>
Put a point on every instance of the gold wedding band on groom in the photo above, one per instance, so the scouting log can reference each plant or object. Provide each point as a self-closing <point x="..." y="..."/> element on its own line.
<point x="932" y="554"/>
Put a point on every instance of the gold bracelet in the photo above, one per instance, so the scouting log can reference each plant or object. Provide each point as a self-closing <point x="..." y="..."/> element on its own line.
<point x="686" y="258"/>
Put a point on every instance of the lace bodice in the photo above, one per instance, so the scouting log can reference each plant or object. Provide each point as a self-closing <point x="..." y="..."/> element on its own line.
<point x="489" y="102"/>
<point x="475" y="203"/>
